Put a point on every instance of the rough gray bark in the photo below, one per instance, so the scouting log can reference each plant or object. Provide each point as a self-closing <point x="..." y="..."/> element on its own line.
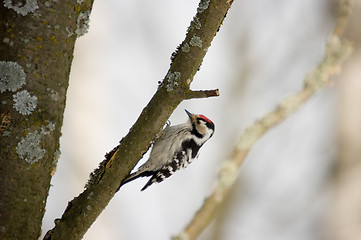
<point x="36" y="51"/>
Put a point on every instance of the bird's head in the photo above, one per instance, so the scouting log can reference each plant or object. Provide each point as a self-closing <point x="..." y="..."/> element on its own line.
<point x="202" y="127"/>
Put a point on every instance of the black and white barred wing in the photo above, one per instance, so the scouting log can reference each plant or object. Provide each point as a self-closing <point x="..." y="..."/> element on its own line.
<point x="181" y="160"/>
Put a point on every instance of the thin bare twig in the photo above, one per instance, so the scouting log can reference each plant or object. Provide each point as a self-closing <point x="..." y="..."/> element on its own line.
<point x="202" y="94"/>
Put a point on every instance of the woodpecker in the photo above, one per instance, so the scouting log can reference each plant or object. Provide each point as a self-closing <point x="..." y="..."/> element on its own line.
<point x="174" y="149"/>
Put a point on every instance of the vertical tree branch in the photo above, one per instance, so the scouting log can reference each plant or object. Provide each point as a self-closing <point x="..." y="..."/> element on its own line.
<point x="36" y="51"/>
<point x="335" y="53"/>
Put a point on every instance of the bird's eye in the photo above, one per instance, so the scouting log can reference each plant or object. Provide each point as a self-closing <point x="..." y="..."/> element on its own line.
<point x="198" y="122"/>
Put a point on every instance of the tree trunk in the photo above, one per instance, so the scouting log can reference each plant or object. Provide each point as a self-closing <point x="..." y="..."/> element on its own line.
<point x="36" y="51"/>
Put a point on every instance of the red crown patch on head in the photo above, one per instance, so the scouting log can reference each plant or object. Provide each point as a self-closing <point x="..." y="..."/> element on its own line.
<point x="205" y="118"/>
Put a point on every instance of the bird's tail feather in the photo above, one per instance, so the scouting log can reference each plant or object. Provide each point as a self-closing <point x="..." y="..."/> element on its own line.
<point x="134" y="176"/>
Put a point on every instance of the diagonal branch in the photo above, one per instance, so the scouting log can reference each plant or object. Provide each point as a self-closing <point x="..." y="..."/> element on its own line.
<point x="335" y="53"/>
<point x="83" y="210"/>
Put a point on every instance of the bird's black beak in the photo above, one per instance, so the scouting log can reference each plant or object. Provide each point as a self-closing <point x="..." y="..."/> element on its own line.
<point x="188" y="113"/>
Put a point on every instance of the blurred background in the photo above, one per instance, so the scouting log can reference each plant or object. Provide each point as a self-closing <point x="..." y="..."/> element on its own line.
<point x="300" y="181"/>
